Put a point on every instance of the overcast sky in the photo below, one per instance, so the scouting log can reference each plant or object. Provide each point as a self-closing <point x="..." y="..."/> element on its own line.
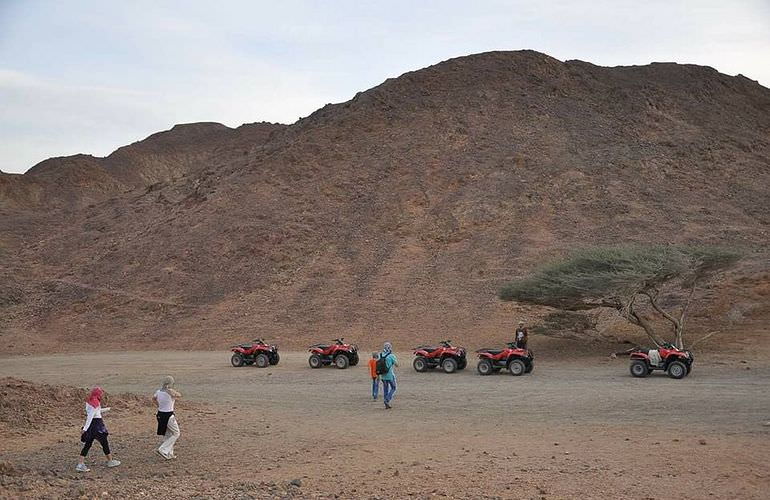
<point x="90" y="76"/>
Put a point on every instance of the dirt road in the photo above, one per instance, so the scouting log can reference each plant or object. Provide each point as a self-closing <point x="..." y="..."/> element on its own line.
<point x="578" y="428"/>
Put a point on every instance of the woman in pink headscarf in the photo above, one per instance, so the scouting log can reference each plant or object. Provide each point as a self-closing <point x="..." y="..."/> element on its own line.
<point x="94" y="429"/>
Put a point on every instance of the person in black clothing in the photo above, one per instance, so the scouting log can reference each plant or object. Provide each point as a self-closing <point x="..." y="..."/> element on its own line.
<point x="521" y="336"/>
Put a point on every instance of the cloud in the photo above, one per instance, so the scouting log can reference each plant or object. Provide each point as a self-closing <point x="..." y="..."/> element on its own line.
<point x="91" y="76"/>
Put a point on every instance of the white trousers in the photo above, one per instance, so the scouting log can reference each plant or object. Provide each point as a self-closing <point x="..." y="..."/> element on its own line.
<point x="172" y="434"/>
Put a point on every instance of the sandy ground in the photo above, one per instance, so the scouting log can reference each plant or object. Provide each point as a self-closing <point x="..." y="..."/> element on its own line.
<point x="581" y="428"/>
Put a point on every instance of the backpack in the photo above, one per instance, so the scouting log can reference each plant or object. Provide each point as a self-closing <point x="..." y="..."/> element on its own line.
<point x="382" y="365"/>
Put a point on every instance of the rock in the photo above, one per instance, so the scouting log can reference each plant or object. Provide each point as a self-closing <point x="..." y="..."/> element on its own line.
<point x="395" y="473"/>
<point x="702" y="442"/>
<point x="296" y="482"/>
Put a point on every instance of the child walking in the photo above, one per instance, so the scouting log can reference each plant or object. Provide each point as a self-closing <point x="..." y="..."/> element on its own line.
<point x="375" y="377"/>
<point x="94" y="429"/>
<point x="167" y="424"/>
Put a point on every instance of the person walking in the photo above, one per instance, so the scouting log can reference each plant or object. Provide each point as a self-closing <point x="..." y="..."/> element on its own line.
<point x="375" y="377"/>
<point x="167" y="424"/>
<point x="522" y="335"/>
<point x="389" y="377"/>
<point x="94" y="429"/>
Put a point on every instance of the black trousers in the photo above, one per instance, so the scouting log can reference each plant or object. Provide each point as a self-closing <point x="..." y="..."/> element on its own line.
<point x="102" y="438"/>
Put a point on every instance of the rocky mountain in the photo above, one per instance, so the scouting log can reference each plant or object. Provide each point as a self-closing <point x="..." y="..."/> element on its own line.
<point x="396" y="214"/>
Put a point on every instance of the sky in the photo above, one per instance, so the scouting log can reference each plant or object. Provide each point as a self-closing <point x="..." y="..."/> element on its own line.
<point x="90" y="76"/>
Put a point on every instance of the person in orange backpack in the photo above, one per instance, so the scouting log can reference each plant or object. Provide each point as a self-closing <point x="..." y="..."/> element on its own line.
<point x="375" y="377"/>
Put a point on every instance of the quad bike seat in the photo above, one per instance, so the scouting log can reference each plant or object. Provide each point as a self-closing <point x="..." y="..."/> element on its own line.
<point x="491" y="351"/>
<point x="427" y="348"/>
<point x="321" y="346"/>
<point x="245" y="346"/>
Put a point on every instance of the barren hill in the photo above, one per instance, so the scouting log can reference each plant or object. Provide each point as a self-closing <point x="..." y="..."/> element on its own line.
<point x="398" y="213"/>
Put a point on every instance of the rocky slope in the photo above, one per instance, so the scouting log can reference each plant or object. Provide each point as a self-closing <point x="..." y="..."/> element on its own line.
<point x="398" y="213"/>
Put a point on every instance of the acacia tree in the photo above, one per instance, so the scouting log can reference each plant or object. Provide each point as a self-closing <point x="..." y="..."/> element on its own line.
<point x="625" y="279"/>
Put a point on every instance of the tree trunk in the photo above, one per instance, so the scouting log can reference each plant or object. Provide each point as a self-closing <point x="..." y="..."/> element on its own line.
<point x="638" y="320"/>
<point x="680" y="328"/>
<point x="675" y="323"/>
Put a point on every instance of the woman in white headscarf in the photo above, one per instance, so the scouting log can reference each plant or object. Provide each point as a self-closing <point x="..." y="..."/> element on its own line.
<point x="167" y="424"/>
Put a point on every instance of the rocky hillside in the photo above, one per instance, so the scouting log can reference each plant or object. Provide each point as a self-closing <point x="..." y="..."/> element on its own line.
<point x="398" y="213"/>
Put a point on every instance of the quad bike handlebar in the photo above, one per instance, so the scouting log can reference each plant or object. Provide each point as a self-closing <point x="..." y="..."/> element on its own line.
<point x="339" y="341"/>
<point x="446" y="343"/>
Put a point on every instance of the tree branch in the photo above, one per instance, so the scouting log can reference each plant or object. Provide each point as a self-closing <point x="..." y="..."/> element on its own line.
<point x="654" y="303"/>
<point x="708" y="335"/>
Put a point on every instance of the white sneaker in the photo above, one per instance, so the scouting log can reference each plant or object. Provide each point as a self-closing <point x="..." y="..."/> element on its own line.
<point x="82" y="468"/>
<point x="167" y="457"/>
<point x="113" y="463"/>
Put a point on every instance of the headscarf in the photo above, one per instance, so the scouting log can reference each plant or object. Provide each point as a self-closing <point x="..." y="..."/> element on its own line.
<point x="95" y="397"/>
<point x="168" y="382"/>
<point x="387" y="348"/>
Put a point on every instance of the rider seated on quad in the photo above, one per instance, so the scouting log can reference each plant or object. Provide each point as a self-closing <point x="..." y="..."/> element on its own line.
<point x="522" y="336"/>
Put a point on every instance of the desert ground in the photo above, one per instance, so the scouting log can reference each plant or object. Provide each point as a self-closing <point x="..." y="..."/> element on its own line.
<point x="580" y="427"/>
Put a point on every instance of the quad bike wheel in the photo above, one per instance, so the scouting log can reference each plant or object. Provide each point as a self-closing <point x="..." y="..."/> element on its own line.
<point x="677" y="370"/>
<point x="639" y="368"/>
<point x="449" y="365"/>
<point x="341" y="362"/>
<point x="484" y="367"/>
<point x="262" y="361"/>
<point x="462" y="364"/>
<point x="517" y="367"/>
<point x="315" y="361"/>
<point x="275" y="359"/>
<point x="237" y="360"/>
<point x="419" y="364"/>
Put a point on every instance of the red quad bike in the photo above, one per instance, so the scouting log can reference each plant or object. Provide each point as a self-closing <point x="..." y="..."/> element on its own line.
<point x="340" y="354"/>
<point x="515" y="360"/>
<point x="675" y="362"/>
<point x="447" y="356"/>
<point x="257" y="353"/>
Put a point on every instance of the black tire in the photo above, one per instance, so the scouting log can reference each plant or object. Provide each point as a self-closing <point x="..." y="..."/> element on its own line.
<point x="419" y="364"/>
<point x="677" y="370"/>
<point x="462" y="363"/>
<point x="354" y="359"/>
<point x="530" y="367"/>
<point x="262" y="361"/>
<point x="341" y="361"/>
<point x="275" y="358"/>
<point x="315" y="361"/>
<point x="484" y="367"/>
<point x="449" y="365"/>
<point x="237" y="360"/>
<point x="517" y="367"/>
<point x="639" y="368"/>
<point x="689" y="368"/>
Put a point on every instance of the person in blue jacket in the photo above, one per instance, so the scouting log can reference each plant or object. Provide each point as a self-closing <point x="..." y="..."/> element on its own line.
<point x="389" y="378"/>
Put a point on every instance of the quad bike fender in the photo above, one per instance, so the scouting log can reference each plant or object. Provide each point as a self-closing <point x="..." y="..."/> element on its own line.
<point x="316" y="350"/>
<point x="640" y="355"/>
<point x="486" y="355"/>
<point x="239" y="350"/>
<point x="420" y="352"/>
